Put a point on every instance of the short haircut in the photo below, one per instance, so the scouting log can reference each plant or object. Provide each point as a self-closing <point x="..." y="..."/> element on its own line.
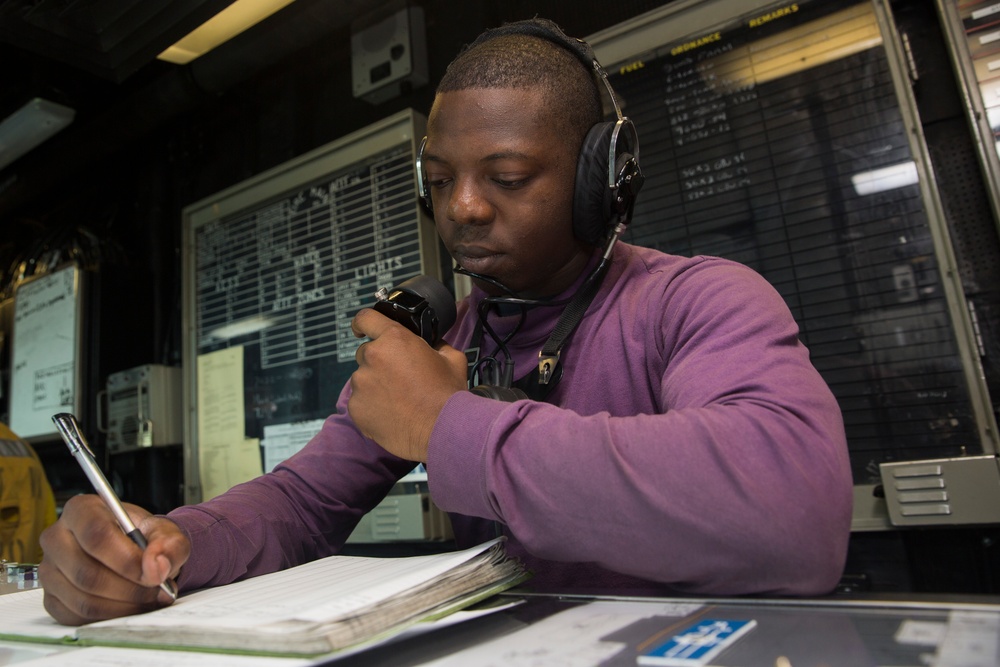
<point x="512" y="60"/>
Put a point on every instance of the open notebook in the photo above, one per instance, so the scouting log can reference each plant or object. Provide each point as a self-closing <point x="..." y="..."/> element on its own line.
<point x="320" y="607"/>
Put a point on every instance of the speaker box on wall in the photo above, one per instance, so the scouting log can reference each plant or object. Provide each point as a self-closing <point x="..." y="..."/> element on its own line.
<point x="388" y="53"/>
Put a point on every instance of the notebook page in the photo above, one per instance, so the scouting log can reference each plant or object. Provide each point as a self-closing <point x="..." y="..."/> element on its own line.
<point x="319" y="590"/>
<point x="23" y="614"/>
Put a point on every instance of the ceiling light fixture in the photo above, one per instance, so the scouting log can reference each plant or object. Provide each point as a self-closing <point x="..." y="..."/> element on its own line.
<point x="29" y="126"/>
<point x="222" y="27"/>
<point x="887" y="178"/>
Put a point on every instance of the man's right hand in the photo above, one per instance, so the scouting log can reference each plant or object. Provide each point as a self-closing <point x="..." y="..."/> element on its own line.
<point x="92" y="571"/>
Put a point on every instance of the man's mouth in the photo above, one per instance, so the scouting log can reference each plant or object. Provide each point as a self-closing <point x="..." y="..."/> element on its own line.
<point x="475" y="258"/>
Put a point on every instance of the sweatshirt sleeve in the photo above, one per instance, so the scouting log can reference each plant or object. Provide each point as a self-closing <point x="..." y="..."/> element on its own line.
<point x="706" y="451"/>
<point x="303" y="510"/>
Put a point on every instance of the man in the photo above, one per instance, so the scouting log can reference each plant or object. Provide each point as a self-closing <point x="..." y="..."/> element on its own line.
<point x="688" y="446"/>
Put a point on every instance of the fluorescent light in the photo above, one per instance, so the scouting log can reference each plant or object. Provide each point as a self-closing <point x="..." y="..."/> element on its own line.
<point x="246" y="326"/>
<point x="29" y="126"/>
<point x="797" y="49"/>
<point x="887" y="178"/>
<point x="222" y="27"/>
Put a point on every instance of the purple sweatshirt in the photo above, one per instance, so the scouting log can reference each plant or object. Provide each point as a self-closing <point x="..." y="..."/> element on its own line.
<point x="690" y="447"/>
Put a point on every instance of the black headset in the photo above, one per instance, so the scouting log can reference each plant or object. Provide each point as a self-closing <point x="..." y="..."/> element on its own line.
<point x="608" y="176"/>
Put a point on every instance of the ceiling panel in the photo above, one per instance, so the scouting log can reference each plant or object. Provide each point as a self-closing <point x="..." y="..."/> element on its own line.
<point x="110" y="39"/>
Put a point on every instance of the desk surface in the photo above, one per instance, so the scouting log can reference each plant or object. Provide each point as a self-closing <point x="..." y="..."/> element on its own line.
<point x="930" y="631"/>
<point x="548" y="630"/>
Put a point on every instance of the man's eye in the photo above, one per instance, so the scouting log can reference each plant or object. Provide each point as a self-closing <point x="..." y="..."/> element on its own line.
<point x="438" y="182"/>
<point x="510" y="183"/>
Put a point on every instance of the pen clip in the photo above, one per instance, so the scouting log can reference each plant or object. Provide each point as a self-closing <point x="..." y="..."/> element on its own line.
<point x="69" y="429"/>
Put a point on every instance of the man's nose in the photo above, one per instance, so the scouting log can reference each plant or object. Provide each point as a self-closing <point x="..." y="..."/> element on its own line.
<point x="468" y="203"/>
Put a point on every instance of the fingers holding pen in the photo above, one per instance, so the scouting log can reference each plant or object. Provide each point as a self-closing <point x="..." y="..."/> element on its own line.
<point x="91" y="570"/>
<point x="67" y="599"/>
<point x="167" y="550"/>
<point x="98" y="534"/>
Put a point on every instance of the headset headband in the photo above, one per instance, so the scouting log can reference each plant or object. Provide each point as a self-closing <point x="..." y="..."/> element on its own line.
<point x="550" y="32"/>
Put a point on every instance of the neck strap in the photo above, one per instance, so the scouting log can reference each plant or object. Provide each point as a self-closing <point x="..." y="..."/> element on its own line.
<point x="548" y="357"/>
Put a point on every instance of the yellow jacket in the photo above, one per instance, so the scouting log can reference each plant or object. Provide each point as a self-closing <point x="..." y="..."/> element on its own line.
<point x="27" y="505"/>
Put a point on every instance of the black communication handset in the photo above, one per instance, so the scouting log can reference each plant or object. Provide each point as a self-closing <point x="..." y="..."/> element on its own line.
<point x="422" y="304"/>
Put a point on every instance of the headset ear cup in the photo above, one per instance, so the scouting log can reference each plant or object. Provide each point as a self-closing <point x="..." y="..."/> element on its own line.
<point x="628" y="179"/>
<point x="592" y="195"/>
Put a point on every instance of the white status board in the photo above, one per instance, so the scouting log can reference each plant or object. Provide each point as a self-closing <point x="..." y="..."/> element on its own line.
<point x="45" y="352"/>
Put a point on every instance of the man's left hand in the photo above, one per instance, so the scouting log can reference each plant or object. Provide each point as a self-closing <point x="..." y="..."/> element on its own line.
<point x="401" y="384"/>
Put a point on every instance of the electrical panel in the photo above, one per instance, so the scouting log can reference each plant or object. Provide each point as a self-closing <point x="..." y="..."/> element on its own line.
<point x="144" y="408"/>
<point x="388" y="54"/>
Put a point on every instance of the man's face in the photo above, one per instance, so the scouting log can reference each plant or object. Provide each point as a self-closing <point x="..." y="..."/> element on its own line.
<point x="501" y="178"/>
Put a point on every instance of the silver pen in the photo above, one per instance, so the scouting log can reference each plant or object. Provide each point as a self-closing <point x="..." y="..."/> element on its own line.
<point x="69" y="429"/>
